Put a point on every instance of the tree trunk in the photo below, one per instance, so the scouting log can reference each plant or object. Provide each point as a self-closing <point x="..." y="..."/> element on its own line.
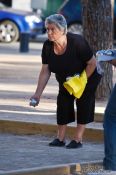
<point x="98" y="30"/>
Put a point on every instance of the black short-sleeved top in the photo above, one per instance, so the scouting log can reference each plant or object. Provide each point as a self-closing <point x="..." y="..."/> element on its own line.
<point x="72" y="61"/>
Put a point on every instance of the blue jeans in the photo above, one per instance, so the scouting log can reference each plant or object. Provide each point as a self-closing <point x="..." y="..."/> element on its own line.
<point x="110" y="133"/>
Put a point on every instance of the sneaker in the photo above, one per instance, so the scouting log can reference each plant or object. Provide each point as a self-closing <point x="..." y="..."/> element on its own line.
<point x="74" y="144"/>
<point x="57" y="142"/>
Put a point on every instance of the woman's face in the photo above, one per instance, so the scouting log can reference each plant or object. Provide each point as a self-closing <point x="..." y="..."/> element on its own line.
<point x="54" y="33"/>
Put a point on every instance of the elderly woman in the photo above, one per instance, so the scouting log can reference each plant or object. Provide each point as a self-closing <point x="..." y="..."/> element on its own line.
<point x="67" y="54"/>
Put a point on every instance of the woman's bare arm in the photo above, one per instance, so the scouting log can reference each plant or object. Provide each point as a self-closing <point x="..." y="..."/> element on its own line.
<point x="42" y="81"/>
<point x="91" y="65"/>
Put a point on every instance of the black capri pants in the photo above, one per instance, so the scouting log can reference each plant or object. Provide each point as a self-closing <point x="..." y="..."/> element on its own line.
<point x="85" y="105"/>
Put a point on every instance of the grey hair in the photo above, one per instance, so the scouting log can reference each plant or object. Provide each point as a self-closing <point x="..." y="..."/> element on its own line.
<point x="57" y="19"/>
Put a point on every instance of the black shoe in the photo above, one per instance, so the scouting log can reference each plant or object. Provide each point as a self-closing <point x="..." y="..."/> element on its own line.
<point x="57" y="142"/>
<point x="74" y="144"/>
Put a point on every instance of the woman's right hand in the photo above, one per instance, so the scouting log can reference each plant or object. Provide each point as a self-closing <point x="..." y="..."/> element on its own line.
<point x="34" y="100"/>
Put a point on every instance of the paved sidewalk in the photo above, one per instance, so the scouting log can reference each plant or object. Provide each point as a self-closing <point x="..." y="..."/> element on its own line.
<point x="22" y="152"/>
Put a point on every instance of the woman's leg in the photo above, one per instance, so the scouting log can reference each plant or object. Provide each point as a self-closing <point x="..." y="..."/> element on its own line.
<point x="65" y="113"/>
<point x="61" y="132"/>
<point x="77" y="141"/>
<point x="79" y="132"/>
<point x="60" y="140"/>
<point x="85" y="114"/>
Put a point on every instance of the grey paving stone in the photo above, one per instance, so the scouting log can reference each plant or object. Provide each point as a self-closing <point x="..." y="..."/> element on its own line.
<point x="21" y="151"/>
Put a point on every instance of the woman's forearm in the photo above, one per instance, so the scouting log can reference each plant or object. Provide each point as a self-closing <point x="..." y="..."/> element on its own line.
<point x="42" y="81"/>
<point x="91" y="65"/>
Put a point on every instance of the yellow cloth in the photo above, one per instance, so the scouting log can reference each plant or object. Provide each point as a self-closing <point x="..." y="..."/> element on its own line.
<point x="76" y="84"/>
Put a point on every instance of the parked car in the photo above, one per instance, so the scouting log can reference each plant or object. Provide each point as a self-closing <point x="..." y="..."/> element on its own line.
<point x="72" y="11"/>
<point x="14" y="22"/>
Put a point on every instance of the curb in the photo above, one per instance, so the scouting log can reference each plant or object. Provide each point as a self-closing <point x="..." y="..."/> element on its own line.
<point x="98" y="117"/>
<point x="66" y="169"/>
<point x="18" y="127"/>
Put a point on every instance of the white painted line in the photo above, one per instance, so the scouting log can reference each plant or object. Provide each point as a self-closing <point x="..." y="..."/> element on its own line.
<point x="28" y="112"/>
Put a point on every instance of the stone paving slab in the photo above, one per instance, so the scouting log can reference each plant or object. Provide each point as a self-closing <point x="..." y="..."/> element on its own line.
<point x="30" y="151"/>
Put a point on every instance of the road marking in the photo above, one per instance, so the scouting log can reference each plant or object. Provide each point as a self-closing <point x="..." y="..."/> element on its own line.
<point x="28" y="112"/>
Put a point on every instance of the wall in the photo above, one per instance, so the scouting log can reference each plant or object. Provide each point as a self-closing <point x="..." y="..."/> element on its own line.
<point x="22" y="4"/>
<point x="39" y="4"/>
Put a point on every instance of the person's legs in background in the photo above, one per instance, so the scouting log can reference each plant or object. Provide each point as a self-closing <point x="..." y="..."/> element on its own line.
<point x="110" y="133"/>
